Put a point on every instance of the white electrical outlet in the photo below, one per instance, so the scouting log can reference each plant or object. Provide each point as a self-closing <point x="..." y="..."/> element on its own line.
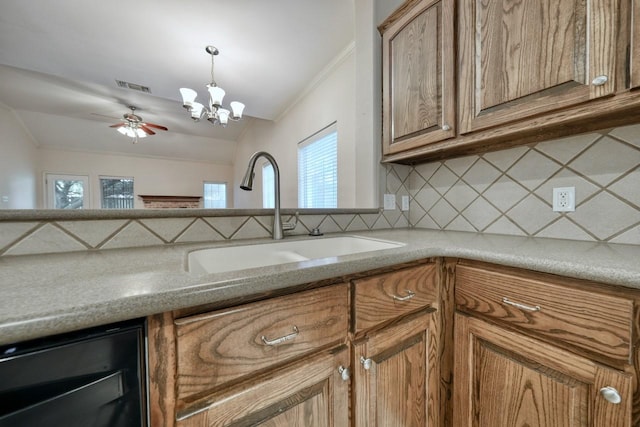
<point x="389" y="202"/>
<point x="564" y="199"/>
<point x="405" y="203"/>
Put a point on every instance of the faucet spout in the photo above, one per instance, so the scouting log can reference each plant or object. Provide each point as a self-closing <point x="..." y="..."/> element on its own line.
<point x="247" y="185"/>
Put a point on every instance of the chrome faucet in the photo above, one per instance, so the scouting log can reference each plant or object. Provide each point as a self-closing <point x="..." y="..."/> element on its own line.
<point x="247" y="185"/>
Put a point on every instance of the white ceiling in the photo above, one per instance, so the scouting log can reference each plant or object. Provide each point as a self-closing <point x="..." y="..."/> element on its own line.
<point x="59" y="61"/>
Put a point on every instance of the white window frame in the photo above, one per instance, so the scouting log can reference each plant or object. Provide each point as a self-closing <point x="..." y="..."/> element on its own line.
<point x="305" y="201"/>
<point x="204" y="193"/>
<point x="51" y="178"/>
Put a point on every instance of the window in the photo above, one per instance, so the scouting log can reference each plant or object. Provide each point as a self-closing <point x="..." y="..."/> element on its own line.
<point x="116" y="192"/>
<point x="318" y="169"/>
<point x="67" y="191"/>
<point x="215" y="195"/>
<point x="268" y="179"/>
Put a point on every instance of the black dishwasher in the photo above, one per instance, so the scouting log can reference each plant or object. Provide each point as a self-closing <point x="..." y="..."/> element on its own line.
<point x="93" y="377"/>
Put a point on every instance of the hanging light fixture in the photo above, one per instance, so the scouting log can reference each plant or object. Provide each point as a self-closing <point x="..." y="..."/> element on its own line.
<point x="214" y="112"/>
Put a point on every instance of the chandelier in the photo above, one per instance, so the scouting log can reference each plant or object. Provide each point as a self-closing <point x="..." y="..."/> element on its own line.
<point x="214" y="112"/>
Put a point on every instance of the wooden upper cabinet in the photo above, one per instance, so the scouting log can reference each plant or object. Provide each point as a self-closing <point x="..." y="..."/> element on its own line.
<point x="520" y="59"/>
<point x="418" y="75"/>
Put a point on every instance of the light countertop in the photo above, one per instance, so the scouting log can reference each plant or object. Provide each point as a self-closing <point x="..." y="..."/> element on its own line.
<point x="47" y="294"/>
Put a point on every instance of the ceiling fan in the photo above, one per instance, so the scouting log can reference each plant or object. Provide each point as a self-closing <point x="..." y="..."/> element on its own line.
<point x="134" y="127"/>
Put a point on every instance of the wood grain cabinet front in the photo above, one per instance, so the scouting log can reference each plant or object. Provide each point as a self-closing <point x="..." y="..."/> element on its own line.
<point x="398" y="362"/>
<point x="538" y="349"/>
<point x="310" y="393"/>
<point x="505" y="379"/>
<point x="521" y="59"/>
<point x="418" y="93"/>
<point x="382" y="298"/>
<point x="592" y="321"/>
<point x="227" y="346"/>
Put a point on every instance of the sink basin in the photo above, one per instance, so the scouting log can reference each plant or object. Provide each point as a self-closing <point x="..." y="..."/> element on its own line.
<point x="222" y="259"/>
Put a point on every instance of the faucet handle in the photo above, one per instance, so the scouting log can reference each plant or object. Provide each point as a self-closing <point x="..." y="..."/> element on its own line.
<point x="290" y="225"/>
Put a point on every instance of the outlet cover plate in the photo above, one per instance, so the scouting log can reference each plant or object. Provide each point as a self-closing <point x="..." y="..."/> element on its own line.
<point x="405" y="203"/>
<point x="564" y="199"/>
<point x="389" y="202"/>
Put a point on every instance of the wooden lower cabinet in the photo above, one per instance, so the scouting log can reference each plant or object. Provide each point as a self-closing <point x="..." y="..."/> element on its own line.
<point x="504" y="379"/>
<point x="311" y="393"/>
<point x="391" y="371"/>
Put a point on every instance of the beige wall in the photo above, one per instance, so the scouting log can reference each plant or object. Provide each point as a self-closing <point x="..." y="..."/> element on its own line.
<point x="151" y="175"/>
<point x="18" y="156"/>
<point x="330" y="100"/>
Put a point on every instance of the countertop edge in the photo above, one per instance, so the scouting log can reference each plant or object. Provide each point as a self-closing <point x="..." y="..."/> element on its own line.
<point x="179" y="290"/>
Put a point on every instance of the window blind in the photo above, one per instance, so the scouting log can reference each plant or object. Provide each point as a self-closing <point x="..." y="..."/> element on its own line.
<point x="318" y="169"/>
<point x="268" y="195"/>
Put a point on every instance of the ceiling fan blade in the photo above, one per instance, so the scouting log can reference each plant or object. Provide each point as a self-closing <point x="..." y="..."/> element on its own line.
<point x="153" y="125"/>
<point x="117" y="125"/>
<point x="146" y="129"/>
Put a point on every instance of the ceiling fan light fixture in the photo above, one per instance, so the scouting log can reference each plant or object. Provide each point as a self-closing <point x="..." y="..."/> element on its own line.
<point x="133" y="126"/>
<point x="215" y="113"/>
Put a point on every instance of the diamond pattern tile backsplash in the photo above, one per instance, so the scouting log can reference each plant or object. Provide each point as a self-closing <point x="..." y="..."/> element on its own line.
<point x="502" y="192"/>
<point x="39" y="237"/>
<point x="510" y="191"/>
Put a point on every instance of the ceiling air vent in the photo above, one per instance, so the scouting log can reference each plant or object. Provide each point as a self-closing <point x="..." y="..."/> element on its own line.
<point x="133" y="86"/>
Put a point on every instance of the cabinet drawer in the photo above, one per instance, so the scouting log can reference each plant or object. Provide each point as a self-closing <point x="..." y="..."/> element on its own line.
<point x="588" y="319"/>
<point x="381" y="298"/>
<point x="224" y="346"/>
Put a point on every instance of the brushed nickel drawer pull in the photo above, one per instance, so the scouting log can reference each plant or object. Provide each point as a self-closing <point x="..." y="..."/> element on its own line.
<point x="280" y="340"/>
<point x="407" y="297"/>
<point x="506" y="300"/>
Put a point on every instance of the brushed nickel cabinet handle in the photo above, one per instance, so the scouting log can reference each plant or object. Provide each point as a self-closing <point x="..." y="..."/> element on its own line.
<point x="446" y="127"/>
<point x="280" y="340"/>
<point x="507" y="301"/>
<point x="407" y="297"/>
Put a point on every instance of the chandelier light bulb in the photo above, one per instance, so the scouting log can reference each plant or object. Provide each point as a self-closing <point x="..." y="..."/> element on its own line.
<point x="213" y="111"/>
<point x="237" y="108"/>
<point x="188" y="97"/>
<point x="217" y="95"/>
<point x="223" y="116"/>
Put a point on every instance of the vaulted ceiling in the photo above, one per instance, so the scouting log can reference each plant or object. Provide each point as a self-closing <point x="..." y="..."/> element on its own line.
<point x="59" y="62"/>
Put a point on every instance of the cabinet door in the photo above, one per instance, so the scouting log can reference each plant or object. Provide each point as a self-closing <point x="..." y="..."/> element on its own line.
<point x="418" y="76"/>
<point x="392" y="369"/>
<point x="311" y="393"/>
<point x="519" y="59"/>
<point x="504" y="379"/>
